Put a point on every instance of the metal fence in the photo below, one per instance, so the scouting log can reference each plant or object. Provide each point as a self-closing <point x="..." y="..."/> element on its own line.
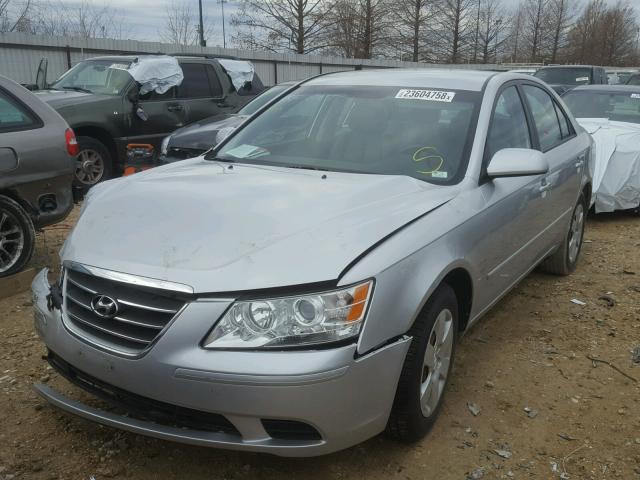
<point x="21" y="53"/>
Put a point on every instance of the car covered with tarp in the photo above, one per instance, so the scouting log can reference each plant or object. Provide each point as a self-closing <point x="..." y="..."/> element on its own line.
<point x="611" y="114"/>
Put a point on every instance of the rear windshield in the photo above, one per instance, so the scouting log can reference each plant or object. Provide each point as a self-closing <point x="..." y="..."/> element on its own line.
<point x="621" y="107"/>
<point x="421" y="133"/>
<point x="565" y="76"/>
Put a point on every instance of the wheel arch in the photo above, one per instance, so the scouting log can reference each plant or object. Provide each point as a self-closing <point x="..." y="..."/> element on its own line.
<point x="460" y="281"/>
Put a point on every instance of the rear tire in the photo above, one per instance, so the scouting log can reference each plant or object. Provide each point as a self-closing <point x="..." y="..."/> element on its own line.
<point x="17" y="237"/>
<point x="565" y="258"/>
<point x="93" y="163"/>
<point x="426" y="366"/>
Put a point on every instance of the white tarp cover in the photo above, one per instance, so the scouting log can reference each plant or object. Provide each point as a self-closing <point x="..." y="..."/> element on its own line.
<point x="616" y="170"/>
<point x="239" y="71"/>
<point x="156" y="73"/>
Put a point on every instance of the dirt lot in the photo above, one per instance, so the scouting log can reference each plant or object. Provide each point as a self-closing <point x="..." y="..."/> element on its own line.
<point x="582" y="418"/>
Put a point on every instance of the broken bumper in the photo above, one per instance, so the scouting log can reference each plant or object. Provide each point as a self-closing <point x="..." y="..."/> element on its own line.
<point x="345" y="400"/>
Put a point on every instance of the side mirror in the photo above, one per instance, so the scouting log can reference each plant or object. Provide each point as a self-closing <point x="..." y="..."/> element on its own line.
<point x="517" y="162"/>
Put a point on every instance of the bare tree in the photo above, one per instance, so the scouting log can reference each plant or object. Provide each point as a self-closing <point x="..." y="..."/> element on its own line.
<point x="516" y="24"/>
<point x="536" y="27"/>
<point x="491" y="25"/>
<point x="361" y="28"/>
<point x="411" y="20"/>
<point x="181" y="24"/>
<point x="294" y="25"/>
<point x="561" y="16"/>
<point x="454" y="27"/>
<point x="14" y="16"/>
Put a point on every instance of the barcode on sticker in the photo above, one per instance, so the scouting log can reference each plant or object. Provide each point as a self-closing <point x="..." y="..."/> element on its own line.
<point x="635" y="95"/>
<point x="119" y="66"/>
<point x="582" y="79"/>
<point x="431" y="95"/>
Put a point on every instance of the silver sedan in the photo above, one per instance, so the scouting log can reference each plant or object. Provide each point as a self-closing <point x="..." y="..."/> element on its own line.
<point x="302" y="286"/>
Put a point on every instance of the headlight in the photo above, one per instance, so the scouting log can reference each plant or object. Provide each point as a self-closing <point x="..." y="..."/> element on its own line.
<point x="164" y="146"/>
<point x="293" y="321"/>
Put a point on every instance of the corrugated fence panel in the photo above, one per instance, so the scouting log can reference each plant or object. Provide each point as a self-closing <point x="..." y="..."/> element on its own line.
<point x="296" y="71"/>
<point x="336" y="68"/>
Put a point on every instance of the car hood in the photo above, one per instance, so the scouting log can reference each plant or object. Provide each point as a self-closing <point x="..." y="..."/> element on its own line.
<point x="65" y="98"/>
<point x="202" y="135"/>
<point x="220" y="229"/>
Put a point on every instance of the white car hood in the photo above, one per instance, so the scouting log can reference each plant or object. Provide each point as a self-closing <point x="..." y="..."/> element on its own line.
<point x="616" y="170"/>
<point x="219" y="228"/>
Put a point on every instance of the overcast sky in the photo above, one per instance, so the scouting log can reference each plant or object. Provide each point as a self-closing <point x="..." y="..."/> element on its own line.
<point x="146" y="23"/>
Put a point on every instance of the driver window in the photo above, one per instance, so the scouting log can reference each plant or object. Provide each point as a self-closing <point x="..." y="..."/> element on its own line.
<point x="508" y="124"/>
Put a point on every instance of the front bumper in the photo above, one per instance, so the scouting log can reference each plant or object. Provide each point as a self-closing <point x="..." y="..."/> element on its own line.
<point x="345" y="398"/>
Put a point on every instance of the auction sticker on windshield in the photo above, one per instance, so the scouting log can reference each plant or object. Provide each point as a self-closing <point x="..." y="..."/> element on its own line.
<point x="635" y="95"/>
<point x="431" y="95"/>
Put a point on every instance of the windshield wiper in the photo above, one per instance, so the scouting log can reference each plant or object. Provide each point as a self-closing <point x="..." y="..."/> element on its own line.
<point x="77" y="89"/>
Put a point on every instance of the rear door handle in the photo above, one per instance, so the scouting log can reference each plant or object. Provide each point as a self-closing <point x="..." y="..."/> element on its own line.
<point x="175" y="108"/>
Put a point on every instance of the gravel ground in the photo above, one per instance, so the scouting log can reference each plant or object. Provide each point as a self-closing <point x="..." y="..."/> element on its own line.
<point x="546" y="410"/>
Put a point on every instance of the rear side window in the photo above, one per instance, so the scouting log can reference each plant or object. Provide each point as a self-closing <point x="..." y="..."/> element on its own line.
<point x="565" y="126"/>
<point x="509" y="124"/>
<point x="545" y="117"/>
<point x="196" y="81"/>
<point x="14" y="115"/>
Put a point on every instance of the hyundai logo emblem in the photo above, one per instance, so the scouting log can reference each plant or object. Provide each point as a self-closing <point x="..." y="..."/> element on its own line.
<point x="104" y="306"/>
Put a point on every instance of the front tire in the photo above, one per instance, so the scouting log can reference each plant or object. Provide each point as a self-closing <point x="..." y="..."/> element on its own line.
<point x="17" y="237"/>
<point x="93" y="163"/>
<point x="565" y="258"/>
<point x="426" y="369"/>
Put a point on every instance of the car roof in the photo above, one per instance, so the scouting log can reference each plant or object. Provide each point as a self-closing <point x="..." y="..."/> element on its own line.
<point x="132" y="57"/>
<point x="456" y="79"/>
<point x="607" y="88"/>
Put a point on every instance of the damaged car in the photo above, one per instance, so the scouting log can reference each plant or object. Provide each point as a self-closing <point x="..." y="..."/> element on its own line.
<point x="611" y="114"/>
<point x="113" y="102"/>
<point x="302" y="287"/>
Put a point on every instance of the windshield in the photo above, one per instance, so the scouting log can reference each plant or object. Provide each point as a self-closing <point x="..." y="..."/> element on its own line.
<point x="565" y="76"/>
<point x="96" y="76"/>
<point x="257" y="103"/>
<point x="385" y="130"/>
<point x="617" y="106"/>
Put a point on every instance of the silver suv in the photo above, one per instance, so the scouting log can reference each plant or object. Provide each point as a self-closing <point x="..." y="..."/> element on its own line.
<point x="302" y="286"/>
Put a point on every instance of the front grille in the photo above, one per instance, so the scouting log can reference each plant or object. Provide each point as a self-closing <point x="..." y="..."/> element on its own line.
<point x="143" y="408"/>
<point x="142" y="313"/>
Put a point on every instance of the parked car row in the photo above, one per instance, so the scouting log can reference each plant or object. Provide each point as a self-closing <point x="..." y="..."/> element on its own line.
<point x="44" y="167"/>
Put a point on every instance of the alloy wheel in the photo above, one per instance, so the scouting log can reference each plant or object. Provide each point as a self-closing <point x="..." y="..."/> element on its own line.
<point x="575" y="233"/>
<point x="89" y="167"/>
<point x="437" y="359"/>
<point x="11" y="241"/>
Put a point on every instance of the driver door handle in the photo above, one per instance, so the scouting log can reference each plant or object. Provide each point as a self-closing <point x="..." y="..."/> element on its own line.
<point x="545" y="186"/>
<point x="175" y="108"/>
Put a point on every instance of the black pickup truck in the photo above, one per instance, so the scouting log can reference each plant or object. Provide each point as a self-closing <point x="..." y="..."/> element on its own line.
<point x="563" y="78"/>
<point x="100" y="101"/>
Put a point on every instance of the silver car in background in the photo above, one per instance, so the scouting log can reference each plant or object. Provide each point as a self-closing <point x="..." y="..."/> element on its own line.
<point x="302" y="286"/>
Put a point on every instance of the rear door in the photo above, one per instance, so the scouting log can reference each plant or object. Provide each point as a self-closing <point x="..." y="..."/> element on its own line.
<point x="200" y="92"/>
